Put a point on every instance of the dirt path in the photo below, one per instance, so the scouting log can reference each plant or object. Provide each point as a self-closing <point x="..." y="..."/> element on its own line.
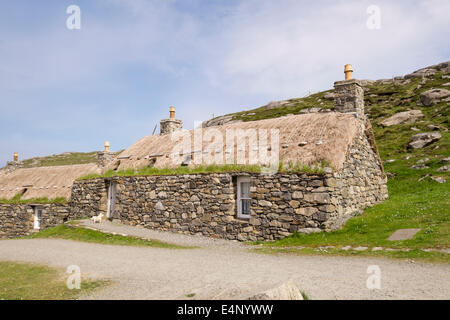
<point x="229" y="271"/>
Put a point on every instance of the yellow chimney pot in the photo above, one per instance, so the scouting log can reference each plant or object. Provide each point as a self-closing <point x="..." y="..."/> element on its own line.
<point x="172" y="112"/>
<point x="348" y="72"/>
<point x="106" y="145"/>
<point x="16" y="156"/>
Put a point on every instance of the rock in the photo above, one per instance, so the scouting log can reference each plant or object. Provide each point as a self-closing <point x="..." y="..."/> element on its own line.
<point x="444" y="169"/>
<point x="360" y="248"/>
<point x="419" y="166"/>
<point x="329" y="96"/>
<point x="439" y="179"/>
<point x="275" y="104"/>
<point x="445" y="160"/>
<point x="302" y="143"/>
<point x="402" y="118"/>
<point x="286" y="291"/>
<point x="309" y="230"/>
<point x="159" y="206"/>
<point x="415" y="129"/>
<point x="423" y="160"/>
<point x="433" y="127"/>
<point x="264" y="203"/>
<point x="424" y="139"/>
<point x="433" y="96"/>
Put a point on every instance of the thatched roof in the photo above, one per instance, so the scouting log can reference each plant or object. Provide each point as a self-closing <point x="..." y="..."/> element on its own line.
<point x="43" y="182"/>
<point x="305" y="139"/>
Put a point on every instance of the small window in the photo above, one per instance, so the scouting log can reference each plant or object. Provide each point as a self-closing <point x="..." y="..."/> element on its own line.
<point x="243" y="197"/>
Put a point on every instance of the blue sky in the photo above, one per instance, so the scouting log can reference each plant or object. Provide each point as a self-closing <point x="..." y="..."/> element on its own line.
<point x="115" y="78"/>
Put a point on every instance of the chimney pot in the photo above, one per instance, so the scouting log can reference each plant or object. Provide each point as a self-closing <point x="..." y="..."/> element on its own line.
<point x="106" y="146"/>
<point x="348" y="70"/>
<point x="16" y="157"/>
<point x="172" y="112"/>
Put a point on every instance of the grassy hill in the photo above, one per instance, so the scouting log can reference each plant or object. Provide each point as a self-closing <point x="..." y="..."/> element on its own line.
<point x="416" y="201"/>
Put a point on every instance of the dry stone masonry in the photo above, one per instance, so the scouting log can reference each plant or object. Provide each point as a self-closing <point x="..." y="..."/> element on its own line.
<point x="17" y="219"/>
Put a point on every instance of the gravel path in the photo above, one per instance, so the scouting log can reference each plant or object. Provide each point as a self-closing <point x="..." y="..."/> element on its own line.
<point x="225" y="272"/>
<point x="169" y="237"/>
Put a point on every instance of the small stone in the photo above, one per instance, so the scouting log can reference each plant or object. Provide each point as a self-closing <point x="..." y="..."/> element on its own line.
<point x="360" y="248"/>
<point x="159" y="206"/>
<point x="439" y="179"/>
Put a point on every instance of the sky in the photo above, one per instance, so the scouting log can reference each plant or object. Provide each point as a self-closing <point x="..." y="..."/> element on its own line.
<point x="116" y="76"/>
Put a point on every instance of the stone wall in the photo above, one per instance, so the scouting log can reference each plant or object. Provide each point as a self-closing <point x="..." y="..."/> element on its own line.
<point x="17" y="219"/>
<point x="88" y="198"/>
<point x="206" y="203"/>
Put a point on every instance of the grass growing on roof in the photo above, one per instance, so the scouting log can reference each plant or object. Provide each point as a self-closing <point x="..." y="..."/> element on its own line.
<point x="151" y="171"/>
<point x="87" y="235"/>
<point x="17" y="200"/>
<point x="24" y="281"/>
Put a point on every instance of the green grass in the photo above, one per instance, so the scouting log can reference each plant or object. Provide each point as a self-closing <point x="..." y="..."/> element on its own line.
<point x="151" y="171"/>
<point x="17" y="200"/>
<point x="69" y="232"/>
<point x="20" y="281"/>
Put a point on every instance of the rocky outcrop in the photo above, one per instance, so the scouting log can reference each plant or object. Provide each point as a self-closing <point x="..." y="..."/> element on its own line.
<point x="433" y="96"/>
<point x="422" y="140"/>
<point x="429" y="71"/>
<point x="402" y="118"/>
<point x="219" y="121"/>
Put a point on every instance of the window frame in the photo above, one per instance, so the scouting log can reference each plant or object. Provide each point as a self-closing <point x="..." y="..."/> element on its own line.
<point x="239" y="180"/>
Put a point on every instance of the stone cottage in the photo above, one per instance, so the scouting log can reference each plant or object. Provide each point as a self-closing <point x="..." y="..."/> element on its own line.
<point x="36" y="188"/>
<point x="244" y="204"/>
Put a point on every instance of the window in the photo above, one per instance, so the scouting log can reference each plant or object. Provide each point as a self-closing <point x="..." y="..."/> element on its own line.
<point x="243" y="197"/>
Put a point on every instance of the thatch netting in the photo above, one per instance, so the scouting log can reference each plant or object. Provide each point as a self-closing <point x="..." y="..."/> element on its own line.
<point x="303" y="139"/>
<point x="43" y="182"/>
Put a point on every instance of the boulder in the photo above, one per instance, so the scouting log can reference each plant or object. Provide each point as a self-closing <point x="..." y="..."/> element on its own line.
<point x="276" y="104"/>
<point x="329" y="96"/>
<point x="402" y="117"/>
<point x="439" y="179"/>
<point x="424" y="139"/>
<point x="433" y="96"/>
<point x="286" y="291"/>
<point x="444" y="169"/>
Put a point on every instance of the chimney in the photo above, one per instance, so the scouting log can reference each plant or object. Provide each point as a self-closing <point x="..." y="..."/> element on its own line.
<point x="171" y="125"/>
<point x="13" y="165"/>
<point x="349" y="95"/>
<point x="106" y="156"/>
